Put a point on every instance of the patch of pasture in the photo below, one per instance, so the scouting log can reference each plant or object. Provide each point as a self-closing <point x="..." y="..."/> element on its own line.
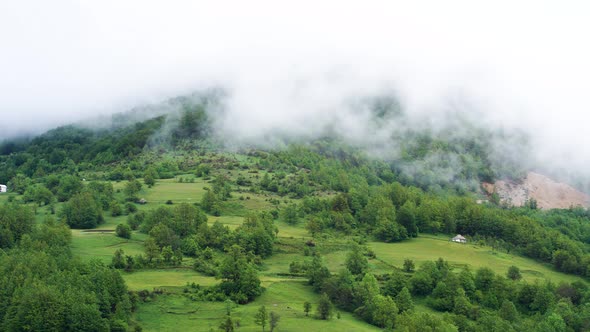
<point x="178" y="313"/>
<point x="103" y="244"/>
<point x="165" y="278"/>
<point x="170" y="189"/>
<point x="279" y="262"/>
<point x="230" y="221"/>
<point x="110" y="222"/>
<point x="242" y="203"/>
<point x="255" y="202"/>
<point x="423" y="249"/>
<point x="292" y="231"/>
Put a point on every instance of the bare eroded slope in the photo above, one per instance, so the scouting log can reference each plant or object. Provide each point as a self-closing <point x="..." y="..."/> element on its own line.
<point x="548" y="193"/>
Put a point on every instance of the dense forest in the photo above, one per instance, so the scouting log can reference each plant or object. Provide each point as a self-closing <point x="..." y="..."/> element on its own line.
<point x="334" y="190"/>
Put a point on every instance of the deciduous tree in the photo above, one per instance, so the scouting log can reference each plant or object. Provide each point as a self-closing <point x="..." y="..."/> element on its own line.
<point x="261" y="317"/>
<point x="325" y="309"/>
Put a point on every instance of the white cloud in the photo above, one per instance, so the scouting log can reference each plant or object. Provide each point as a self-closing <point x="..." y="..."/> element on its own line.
<point x="292" y="65"/>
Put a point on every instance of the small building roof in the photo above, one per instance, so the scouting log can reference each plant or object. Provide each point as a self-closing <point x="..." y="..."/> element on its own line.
<point x="459" y="237"/>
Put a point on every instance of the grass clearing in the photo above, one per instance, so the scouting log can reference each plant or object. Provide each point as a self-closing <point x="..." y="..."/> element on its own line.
<point x="110" y="222"/>
<point x="279" y="263"/>
<point x="253" y="202"/>
<point x="230" y="221"/>
<point x="166" y="278"/>
<point x="170" y="189"/>
<point x="89" y="245"/>
<point x="426" y="248"/>
<point x="178" y="313"/>
<point x="292" y="231"/>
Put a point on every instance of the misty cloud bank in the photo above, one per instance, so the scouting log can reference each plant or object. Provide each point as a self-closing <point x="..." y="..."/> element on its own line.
<point x="303" y="69"/>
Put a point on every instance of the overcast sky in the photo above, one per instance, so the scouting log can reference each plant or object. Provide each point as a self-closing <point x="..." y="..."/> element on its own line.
<point x="524" y="63"/>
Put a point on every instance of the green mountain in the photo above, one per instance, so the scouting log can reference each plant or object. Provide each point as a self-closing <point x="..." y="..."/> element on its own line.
<point x="158" y="221"/>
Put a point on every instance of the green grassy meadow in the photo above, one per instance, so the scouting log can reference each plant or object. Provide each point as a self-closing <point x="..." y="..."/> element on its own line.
<point x="97" y="245"/>
<point x="172" y="278"/>
<point x="426" y="248"/>
<point x="175" y="312"/>
<point x="170" y="189"/>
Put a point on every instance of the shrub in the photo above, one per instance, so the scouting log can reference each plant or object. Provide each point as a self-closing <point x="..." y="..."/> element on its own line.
<point x="135" y="220"/>
<point x="409" y="265"/>
<point x="130" y="207"/>
<point x="116" y="209"/>
<point x="514" y="273"/>
<point x="123" y="231"/>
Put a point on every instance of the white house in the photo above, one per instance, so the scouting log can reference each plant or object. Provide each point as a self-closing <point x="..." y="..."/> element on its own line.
<point x="3" y="188"/>
<point x="459" y="239"/>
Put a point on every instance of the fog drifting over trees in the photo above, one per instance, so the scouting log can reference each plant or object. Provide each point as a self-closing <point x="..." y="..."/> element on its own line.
<point x="298" y="67"/>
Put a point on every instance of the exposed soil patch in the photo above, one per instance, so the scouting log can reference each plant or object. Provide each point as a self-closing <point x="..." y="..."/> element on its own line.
<point x="548" y="193"/>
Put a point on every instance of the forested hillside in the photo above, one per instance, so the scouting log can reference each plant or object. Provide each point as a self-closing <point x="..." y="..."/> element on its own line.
<point x="160" y="225"/>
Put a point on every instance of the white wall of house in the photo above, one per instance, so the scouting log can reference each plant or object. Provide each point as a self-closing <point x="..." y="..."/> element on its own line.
<point x="3" y="188"/>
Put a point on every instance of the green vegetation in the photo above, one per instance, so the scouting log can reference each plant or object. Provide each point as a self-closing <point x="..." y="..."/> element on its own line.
<point x="423" y="249"/>
<point x="45" y="287"/>
<point x="153" y="225"/>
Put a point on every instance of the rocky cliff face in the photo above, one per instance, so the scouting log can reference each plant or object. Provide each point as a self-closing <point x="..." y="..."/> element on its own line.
<point x="548" y="193"/>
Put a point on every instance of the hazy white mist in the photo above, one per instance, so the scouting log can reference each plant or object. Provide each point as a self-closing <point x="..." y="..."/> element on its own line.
<point x="295" y="67"/>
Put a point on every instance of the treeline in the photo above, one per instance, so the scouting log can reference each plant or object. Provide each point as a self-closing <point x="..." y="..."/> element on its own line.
<point x="72" y="148"/>
<point x="84" y="204"/>
<point x="44" y="288"/>
<point x="470" y="301"/>
<point x="393" y="212"/>
<point x="370" y="201"/>
<point x="434" y="160"/>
